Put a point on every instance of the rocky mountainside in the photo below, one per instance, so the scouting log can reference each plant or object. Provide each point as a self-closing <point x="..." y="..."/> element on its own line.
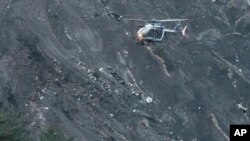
<point x="74" y="66"/>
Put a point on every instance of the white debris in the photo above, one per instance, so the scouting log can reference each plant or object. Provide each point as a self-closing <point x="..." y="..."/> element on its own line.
<point x="33" y="123"/>
<point x="230" y="73"/>
<point x="46" y="108"/>
<point x="83" y="68"/>
<point x="111" y="115"/>
<point x="237" y="58"/>
<point x="41" y="117"/>
<point x="130" y="84"/>
<point x="125" y="52"/>
<point x="240" y="70"/>
<point x="67" y="34"/>
<point x="69" y="37"/>
<point x="134" y="110"/>
<point x="42" y="97"/>
<point x="44" y="90"/>
<point x="88" y="71"/>
<point x="127" y="33"/>
<point x="101" y="69"/>
<point x="240" y="106"/>
<point x="234" y="83"/>
<point x="26" y="105"/>
<point x="149" y="99"/>
<point x="136" y="94"/>
<point x="145" y="122"/>
<point x="213" y="0"/>
<point x="208" y="71"/>
<point x="120" y="58"/>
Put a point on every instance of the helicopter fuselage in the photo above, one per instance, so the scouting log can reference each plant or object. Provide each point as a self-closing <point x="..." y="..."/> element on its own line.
<point x="151" y="32"/>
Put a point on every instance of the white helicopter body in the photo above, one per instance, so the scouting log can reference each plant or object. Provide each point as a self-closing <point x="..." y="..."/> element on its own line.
<point x="154" y="31"/>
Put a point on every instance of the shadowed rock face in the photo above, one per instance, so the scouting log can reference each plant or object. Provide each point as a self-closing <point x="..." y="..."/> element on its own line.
<point x="74" y="65"/>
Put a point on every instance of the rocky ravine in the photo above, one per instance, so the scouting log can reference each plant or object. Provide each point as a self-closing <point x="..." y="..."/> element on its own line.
<point x="73" y="65"/>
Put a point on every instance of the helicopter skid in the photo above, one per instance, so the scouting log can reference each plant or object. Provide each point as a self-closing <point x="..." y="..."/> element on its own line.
<point x="148" y="43"/>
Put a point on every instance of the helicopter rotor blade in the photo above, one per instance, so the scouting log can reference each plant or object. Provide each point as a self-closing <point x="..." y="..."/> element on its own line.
<point x="156" y="21"/>
<point x="168" y="20"/>
<point x="140" y="20"/>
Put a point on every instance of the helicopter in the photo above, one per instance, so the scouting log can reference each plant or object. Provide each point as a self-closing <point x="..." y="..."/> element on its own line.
<point x="154" y="31"/>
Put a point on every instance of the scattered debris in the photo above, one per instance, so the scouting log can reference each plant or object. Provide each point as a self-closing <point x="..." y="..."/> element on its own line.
<point x="209" y="71"/>
<point x="111" y="115"/>
<point x="121" y="59"/>
<point x="237" y="58"/>
<point x="136" y="90"/>
<point x="101" y="69"/>
<point x="145" y="122"/>
<point x="125" y="52"/>
<point x="234" y="83"/>
<point x="230" y="73"/>
<point x="46" y="108"/>
<point x="209" y="37"/>
<point x="148" y="99"/>
<point x="215" y="122"/>
<point x="241" y="107"/>
<point x="234" y="68"/>
<point x="44" y="90"/>
<point x="42" y="97"/>
<point x="116" y="16"/>
<point x="67" y="34"/>
<point x="79" y="99"/>
<point x="33" y="123"/>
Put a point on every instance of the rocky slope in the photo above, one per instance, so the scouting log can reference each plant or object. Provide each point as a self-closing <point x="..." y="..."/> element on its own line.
<point x="74" y="65"/>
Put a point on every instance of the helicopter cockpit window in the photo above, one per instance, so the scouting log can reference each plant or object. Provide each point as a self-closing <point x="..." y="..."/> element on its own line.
<point x="154" y="33"/>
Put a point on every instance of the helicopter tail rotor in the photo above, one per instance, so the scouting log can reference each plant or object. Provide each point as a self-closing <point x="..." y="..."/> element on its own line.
<point x="168" y="20"/>
<point x="183" y="31"/>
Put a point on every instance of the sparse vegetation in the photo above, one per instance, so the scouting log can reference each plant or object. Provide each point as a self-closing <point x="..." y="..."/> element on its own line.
<point x="51" y="135"/>
<point x="11" y="126"/>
